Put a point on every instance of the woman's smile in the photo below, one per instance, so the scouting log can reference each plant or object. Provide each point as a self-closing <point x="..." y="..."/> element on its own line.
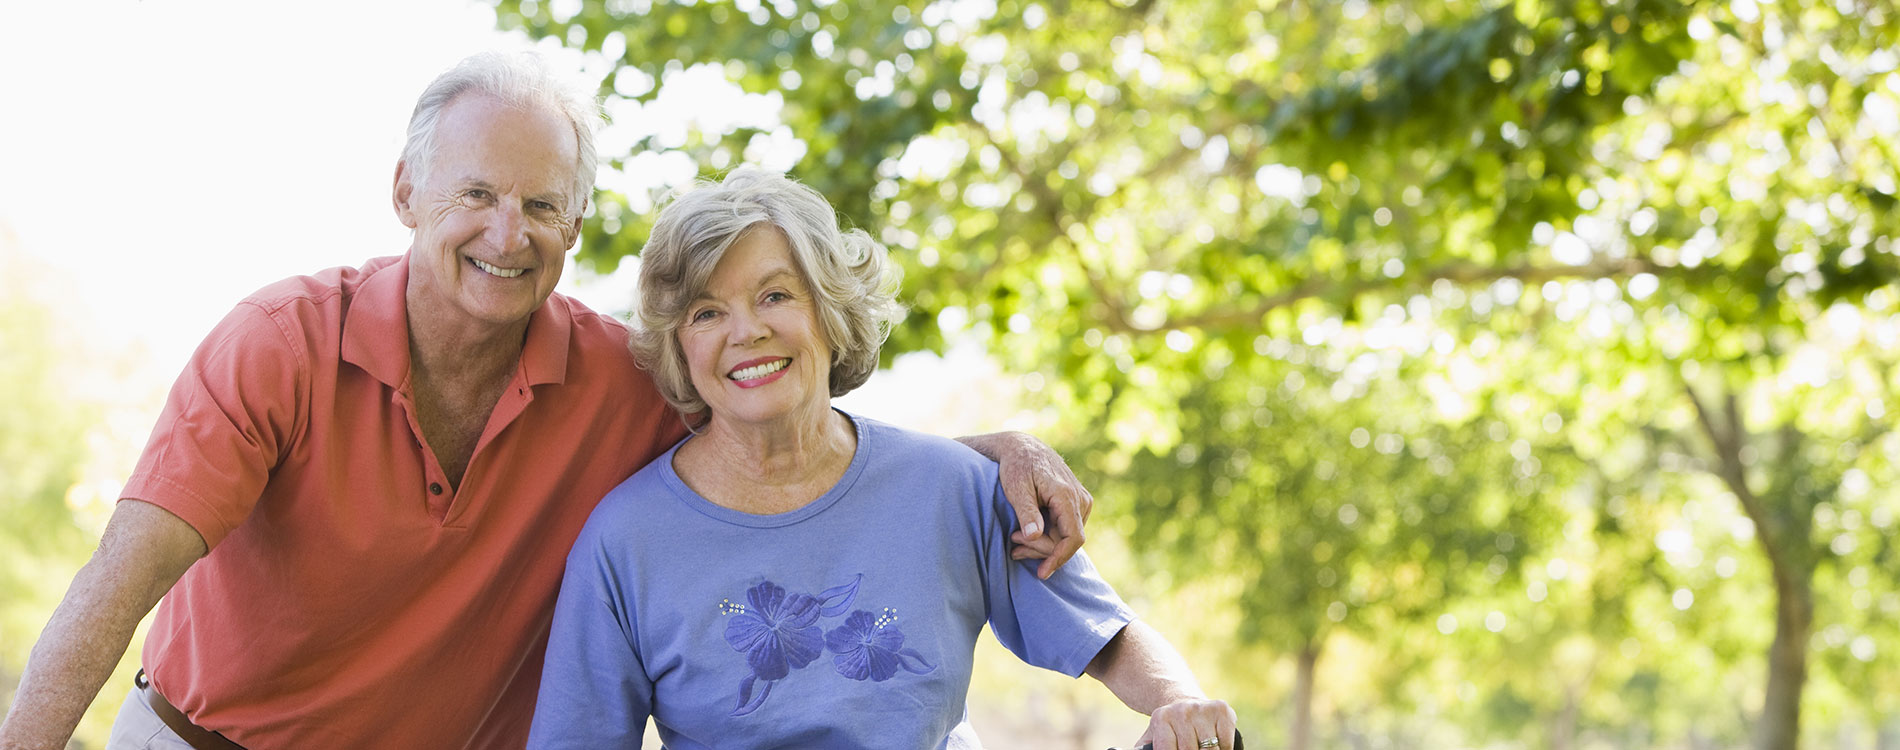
<point x="758" y="372"/>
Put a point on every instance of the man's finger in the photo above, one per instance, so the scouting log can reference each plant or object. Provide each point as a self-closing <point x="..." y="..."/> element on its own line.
<point x="1066" y="547"/>
<point x="1065" y="524"/>
<point x="1021" y="495"/>
<point x="1031" y="549"/>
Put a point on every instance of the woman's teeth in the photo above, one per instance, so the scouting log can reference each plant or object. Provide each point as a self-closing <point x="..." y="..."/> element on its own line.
<point x="759" y="371"/>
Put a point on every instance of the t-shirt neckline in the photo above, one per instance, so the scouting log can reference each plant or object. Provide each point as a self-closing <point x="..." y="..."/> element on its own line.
<point x="721" y="513"/>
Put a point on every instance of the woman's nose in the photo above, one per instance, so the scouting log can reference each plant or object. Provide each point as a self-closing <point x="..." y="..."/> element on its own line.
<point x="747" y="327"/>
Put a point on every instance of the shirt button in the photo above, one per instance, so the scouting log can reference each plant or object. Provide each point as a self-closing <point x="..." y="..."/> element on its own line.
<point x="435" y="489"/>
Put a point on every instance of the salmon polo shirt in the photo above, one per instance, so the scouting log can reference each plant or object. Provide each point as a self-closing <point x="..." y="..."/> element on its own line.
<point x="352" y="598"/>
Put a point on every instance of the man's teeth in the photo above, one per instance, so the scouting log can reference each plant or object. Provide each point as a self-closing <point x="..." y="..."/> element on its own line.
<point x="506" y="273"/>
<point x="759" y="371"/>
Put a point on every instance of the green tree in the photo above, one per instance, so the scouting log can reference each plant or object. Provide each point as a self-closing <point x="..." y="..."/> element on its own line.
<point x="1126" y="198"/>
<point x="43" y="451"/>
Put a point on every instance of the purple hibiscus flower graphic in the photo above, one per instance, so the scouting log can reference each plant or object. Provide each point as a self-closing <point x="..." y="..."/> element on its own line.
<point x="778" y="633"/>
<point x="868" y="647"/>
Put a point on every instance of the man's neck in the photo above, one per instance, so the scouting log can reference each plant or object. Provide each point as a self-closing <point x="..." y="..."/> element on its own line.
<point x="461" y="350"/>
<point x="456" y="375"/>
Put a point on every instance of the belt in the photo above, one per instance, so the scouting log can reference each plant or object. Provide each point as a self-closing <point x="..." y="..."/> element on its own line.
<point x="196" y="736"/>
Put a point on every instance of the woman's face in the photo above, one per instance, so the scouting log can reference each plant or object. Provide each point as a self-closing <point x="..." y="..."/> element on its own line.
<point x="752" y="342"/>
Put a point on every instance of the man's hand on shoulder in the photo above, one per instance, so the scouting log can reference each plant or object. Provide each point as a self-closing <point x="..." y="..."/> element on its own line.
<point x="1039" y="484"/>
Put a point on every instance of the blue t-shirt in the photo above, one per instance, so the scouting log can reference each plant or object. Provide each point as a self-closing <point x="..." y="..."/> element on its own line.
<point x="849" y="622"/>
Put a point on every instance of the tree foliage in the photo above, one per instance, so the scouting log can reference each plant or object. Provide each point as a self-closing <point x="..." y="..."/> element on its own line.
<point x="42" y="453"/>
<point x="1626" y="266"/>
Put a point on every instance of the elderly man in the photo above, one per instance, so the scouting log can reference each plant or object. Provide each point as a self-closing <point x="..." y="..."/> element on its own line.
<point x="362" y="489"/>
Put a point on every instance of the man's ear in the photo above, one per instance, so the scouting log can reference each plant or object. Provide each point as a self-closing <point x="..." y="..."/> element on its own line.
<point x="403" y="193"/>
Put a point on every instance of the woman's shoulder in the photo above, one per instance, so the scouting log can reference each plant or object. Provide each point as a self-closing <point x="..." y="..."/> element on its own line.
<point x="630" y="508"/>
<point x="908" y="457"/>
<point x="912" y="446"/>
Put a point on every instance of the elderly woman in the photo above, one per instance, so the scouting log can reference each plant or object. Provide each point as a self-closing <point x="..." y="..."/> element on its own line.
<point x="791" y="575"/>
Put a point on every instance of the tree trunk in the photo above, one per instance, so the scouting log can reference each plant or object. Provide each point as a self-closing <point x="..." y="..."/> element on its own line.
<point x="1782" y="529"/>
<point x="1887" y="737"/>
<point x="1353" y="738"/>
<point x="1780" y="723"/>
<point x="1563" y="728"/>
<point x="1081" y="730"/>
<point x="1303" y="698"/>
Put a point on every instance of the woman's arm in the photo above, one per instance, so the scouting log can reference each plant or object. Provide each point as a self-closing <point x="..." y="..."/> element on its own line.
<point x="1148" y="675"/>
<point x="595" y="694"/>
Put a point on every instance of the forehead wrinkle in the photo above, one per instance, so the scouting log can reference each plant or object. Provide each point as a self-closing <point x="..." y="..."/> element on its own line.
<point x="770" y="275"/>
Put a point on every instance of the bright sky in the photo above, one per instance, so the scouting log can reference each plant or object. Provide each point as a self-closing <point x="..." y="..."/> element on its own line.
<point x="167" y="158"/>
<point x="172" y="157"/>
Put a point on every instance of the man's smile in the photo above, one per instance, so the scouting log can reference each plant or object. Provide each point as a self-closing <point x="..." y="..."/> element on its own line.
<point x="506" y="273"/>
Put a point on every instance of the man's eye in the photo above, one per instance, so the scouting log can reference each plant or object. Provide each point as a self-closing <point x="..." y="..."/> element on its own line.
<point x="541" y="206"/>
<point x="478" y="194"/>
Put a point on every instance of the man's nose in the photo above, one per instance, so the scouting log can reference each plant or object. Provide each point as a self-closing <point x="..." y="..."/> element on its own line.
<point x="508" y="227"/>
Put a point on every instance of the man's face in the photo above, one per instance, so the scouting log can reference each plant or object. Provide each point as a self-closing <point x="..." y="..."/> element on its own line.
<point x="494" y="216"/>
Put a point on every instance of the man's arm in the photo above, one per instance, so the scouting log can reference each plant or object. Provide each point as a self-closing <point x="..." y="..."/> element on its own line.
<point x="145" y="549"/>
<point x="1142" y="669"/>
<point x="1034" y="479"/>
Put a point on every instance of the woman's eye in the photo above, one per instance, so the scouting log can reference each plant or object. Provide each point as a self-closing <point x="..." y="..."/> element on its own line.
<point x="703" y="315"/>
<point x="777" y="297"/>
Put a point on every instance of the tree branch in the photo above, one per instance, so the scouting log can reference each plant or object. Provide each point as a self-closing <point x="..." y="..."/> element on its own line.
<point x="1727" y="444"/>
<point x="1464" y="273"/>
<point x="1050" y="205"/>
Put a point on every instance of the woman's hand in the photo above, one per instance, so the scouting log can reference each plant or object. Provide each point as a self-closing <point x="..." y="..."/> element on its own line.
<point x="1190" y="724"/>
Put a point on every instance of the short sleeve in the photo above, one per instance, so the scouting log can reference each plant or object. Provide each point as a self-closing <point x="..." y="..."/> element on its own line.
<point x="1058" y="624"/>
<point x="595" y="692"/>
<point x="230" y="417"/>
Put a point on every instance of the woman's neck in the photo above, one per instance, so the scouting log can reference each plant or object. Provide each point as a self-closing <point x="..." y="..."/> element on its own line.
<point x="768" y="468"/>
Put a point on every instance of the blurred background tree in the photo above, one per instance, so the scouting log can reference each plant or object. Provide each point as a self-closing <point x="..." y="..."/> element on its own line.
<point x="51" y="382"/>
<point x="1505" y="373"/>
<point x="1543" y="348"/>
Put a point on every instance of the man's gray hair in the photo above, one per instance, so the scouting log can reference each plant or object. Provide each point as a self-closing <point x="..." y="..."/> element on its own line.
<point x="523" y="80"/>
<point x="853" y="282"/>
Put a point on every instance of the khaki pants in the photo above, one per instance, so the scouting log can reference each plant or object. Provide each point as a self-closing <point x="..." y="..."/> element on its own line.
<point x="137" y="728"/>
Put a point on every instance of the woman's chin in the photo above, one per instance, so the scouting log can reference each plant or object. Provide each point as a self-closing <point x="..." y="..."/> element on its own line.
<point x="769" y="415"/>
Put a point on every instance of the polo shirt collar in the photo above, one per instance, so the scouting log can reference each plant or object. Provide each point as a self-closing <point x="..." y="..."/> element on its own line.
<point x="544" y="354"/>
<point x="376" y="331"/>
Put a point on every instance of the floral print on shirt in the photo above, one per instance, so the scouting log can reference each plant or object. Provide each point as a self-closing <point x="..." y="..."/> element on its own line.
<point x="778" y="633"/>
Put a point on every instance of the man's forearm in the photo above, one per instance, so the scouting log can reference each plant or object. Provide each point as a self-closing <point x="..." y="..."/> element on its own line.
<point x="1142" y="669"/>
<point x="144" y="550"/>
<point x="75" y="655"/>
